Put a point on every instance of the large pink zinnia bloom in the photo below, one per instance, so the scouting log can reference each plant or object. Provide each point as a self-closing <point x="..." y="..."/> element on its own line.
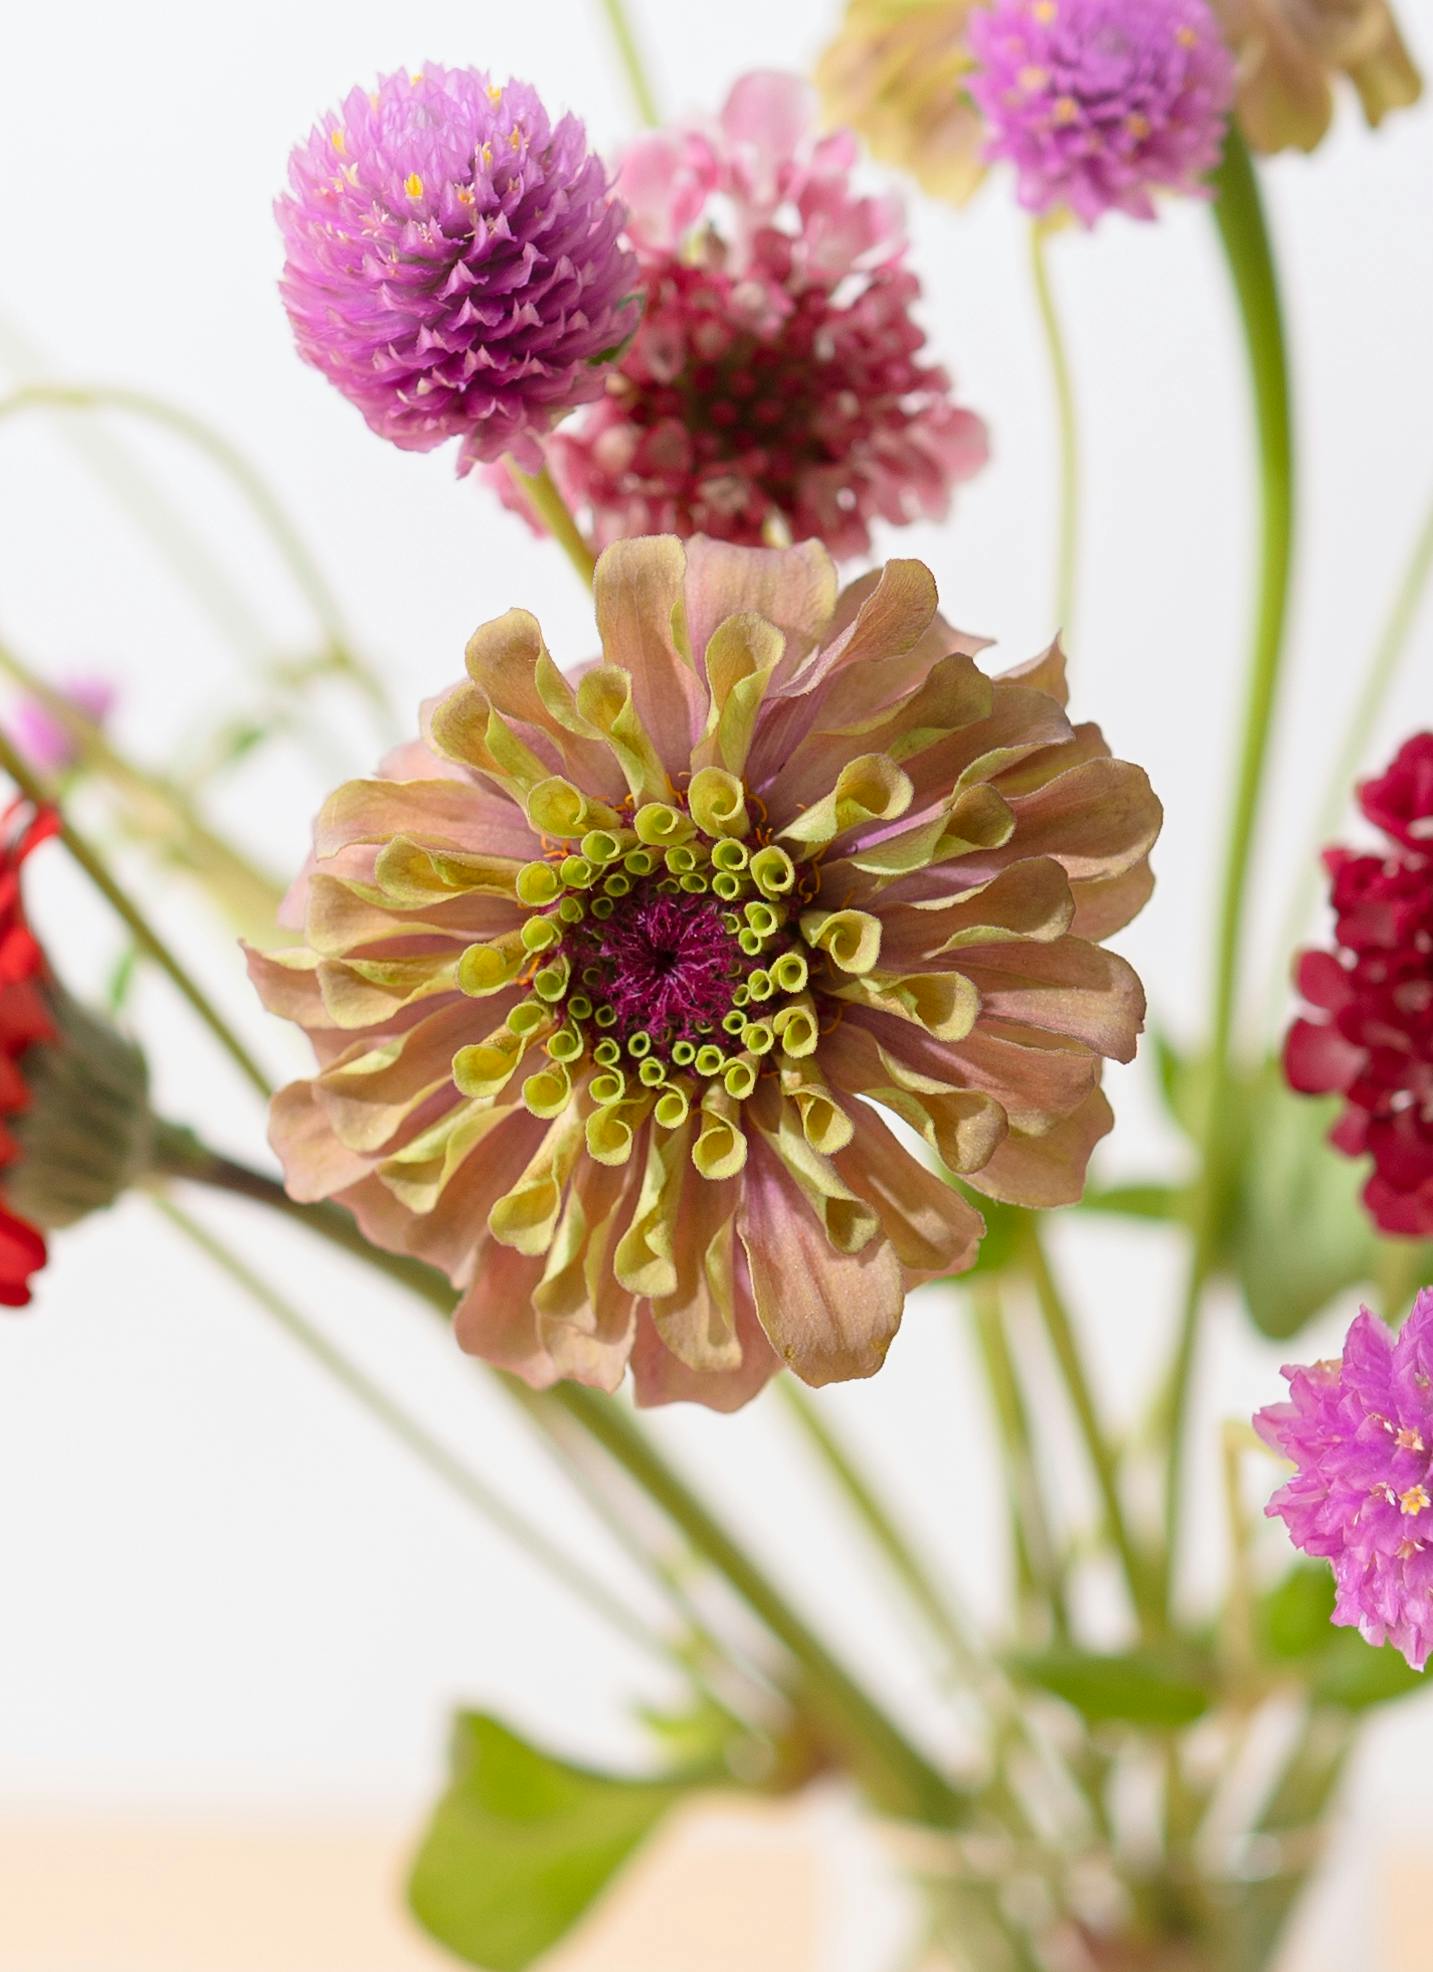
<point x="619" y="981"/>
<point x="779" y="380"/>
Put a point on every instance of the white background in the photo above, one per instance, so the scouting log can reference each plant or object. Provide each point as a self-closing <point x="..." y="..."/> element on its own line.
<point x="221" y="1587"/>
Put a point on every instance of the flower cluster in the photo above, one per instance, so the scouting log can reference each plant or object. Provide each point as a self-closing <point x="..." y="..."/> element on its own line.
<point x="25" y="1021"/>
<point x="1292" y="52"/>
<point x="611" y="979"/>
<point x="454" y="263"/>
<point x="1360" y="1432"/>
<point x="778" y="382"/>
<point x="1100" y="103"/>
<point x="1368" y="1031"/>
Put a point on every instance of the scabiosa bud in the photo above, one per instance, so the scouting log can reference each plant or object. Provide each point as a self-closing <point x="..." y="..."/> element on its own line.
<point x="1291" y="53"/>
<point x="612" y="981"/>
<point x="453" y="262"/>
<point x="42" y="735"/>
<point x="1367" y="1034"/>
<point x="1099" y="103"/>
<point x="1360" y="1432"/>
<point x="76" y="1124"/>
<point x="777" y="385"/>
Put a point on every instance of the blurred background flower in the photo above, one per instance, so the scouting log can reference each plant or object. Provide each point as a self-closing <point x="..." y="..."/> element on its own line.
<point x="1293" y="53"/>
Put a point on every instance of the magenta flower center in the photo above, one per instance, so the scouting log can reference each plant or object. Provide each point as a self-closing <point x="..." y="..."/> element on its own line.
<point x="665" y="965"/>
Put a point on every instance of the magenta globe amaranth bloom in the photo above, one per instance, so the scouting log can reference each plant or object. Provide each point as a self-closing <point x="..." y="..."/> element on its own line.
<point x="1100" y="103"/>
<point x="454" y="263"/>
<point x="1360" y="1433"/>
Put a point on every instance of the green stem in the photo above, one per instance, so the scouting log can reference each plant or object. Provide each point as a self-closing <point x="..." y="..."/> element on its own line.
<point x="541" y="493"/>
<point x="1244" y="232"/>
<point x="897" y="1775"/>
<point x="450" y="1472"/>
<point x="1067" y="419"/>
<point x="633" y="67"/>
<point x="159" y="809"/>
<point x="1383" y="668"/>
<point x="307" y="576"/>
<point x="1037" y="1561"/>
<point x="130" y="915"/>
<point x="902" y="1559"/>
<point x="1060" y="1331"/>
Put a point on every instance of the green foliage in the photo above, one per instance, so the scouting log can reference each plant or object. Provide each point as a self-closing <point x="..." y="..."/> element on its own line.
<point x="522" y="1844"/>
<point x="1294" y="1625"/>
<point x="1148" y="1687"/>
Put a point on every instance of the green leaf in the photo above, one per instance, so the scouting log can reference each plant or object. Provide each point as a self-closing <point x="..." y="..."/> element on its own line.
<point x="1299" y="1235"/>
<point x="522" y="1844"/>
<point x="1129" y="1687"/>
<point x="1294" y="1625"/>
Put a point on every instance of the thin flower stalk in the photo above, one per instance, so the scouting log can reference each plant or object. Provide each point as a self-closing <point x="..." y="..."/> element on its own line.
<point x="634" y="68"/>
<point x="543" y="495"/>
<point x="1068" y="428"/>
<point x="1244" y="233"/>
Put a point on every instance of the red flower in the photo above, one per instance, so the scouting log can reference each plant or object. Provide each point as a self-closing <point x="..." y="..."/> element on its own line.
<point x="1368" y="1033"/>
<point x="25" y="1018"/>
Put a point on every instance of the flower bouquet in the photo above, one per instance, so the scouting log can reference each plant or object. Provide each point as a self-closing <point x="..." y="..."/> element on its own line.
<point x="690" y="1007"/>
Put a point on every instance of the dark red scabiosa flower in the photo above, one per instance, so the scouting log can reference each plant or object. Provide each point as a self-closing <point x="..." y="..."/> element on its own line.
<point x="25" y="1021"/>
<point x="779" y="385"/>
<point x="1367" y="1033"/>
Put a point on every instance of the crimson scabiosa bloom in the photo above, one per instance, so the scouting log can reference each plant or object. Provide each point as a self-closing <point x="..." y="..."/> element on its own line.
<point x="75" y="1126"/>
<point x="779" y="379"/>
<point x="1360" y="1432"/>
<point x="1291" y="53"/>
<point x="453" y="262"/>
<point x="1367" y="1034"/>
<point x="630" y="990"/>
<point x="1100" y="103"/>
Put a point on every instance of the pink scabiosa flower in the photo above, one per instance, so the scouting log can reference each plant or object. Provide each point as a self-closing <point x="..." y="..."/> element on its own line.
<point x="1100" y="103"/>
<point x="454" y="263"/>
<point x="1367" y="1034"/>
<point x="1360" y="1432"/>
<point x="43" y="737"/>
<point x="778" y="381"/>
<point x="618" y="982"/>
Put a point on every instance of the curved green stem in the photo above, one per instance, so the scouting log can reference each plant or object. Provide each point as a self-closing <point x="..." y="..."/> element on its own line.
<point x="541" y="493"/>
<point x="307" y="576"/>
<point x="897" y="1775"/>
<point x="458" y="1478"/>
<point x="159" y="807"/>
<point x="1067" y="419"/>
<point x="129" y="913"/>
<point x="633" y="67"/>
<point x="1244" y="233"/>
<point x="1383" y="668"/>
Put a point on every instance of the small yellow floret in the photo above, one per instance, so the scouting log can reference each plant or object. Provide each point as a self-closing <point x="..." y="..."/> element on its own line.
<point x="1066" y="109"/>
<point x="413" y="185"/>
<point x="1414" y="1500"/>
<point x="335" y="137"/>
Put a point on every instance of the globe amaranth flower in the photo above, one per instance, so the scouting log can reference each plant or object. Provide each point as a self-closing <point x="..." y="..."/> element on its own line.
<point x="778" y="380"/>
<point x="1100" y="103"/>
<point x="1291" y="53"/>
<point x="618" y="982"/>
<point x="43" y="737"/>
<point x="74" y="1120"/>
<point x="1367" y="1034"/>
<point x="1360" y="1432"/>
<point x="454" y="263"/>
<point x="897" y="73"/>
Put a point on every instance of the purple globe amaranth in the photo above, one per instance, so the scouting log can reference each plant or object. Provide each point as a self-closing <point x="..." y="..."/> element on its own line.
<point x="1359" y="1429"/>
<point x="1099" y="103"/>
<point x="454" y="262"/>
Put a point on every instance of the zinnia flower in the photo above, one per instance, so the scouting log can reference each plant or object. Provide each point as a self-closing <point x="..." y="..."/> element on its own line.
<point x="898" y="72"/>
<point x="1099" y="103"/>
<point x="1360" y="1432"/>
<point x="1292" y="52"/>
<point x="44" y="739"/>
<point x="453" y="262"/>
<point x="777" y="381"/>
<point x="1368" y="1034"/>
<point x="617" y="982"/>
